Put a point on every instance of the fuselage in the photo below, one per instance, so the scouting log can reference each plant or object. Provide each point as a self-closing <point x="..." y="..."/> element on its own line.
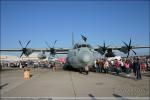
<point x="80" y="56"/>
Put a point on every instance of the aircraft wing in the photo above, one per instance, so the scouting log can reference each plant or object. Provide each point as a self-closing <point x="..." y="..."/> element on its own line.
<point x="124" y="49"/>
<point x="11" y="50"/>
<point x="133" y="47"/>
<point x="61" y="50"/>
<point x="57" y="50"/>
<point x="118" y="48"/>
<point x="140" y="47"/>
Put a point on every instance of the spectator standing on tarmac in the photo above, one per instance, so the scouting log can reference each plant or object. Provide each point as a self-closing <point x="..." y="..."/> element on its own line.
<point x="148" y="64"/>
<point x="138" y="70"/>
<point x="106" y="66"/>
<point x="0" y="66"/>
<point x="117" y="66"/>
<point x="101" y="64"/>
<point x="143" y="66"/>
<point x="127" y="67"/>
<point x="20" y="65"/>
<point x="54" y="66"/>
<point x="122" y="66"/>
<point x="97" y="66"/>
<point x="26" y="64"/>
<point x="134" y="67"/>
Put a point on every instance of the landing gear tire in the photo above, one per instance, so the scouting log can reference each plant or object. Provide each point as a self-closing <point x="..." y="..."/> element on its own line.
<point x="67" y="67"/>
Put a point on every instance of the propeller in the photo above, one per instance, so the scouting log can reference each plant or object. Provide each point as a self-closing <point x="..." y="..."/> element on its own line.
<point x="127" y="48"/>
<point x="102" y="49"/>
<point x="52" y="49"/>
<point x="109" y="53"/>
<point x="25" y="50"/>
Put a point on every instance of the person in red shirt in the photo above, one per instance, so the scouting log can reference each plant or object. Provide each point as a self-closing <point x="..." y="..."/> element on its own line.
<point x="117" y="66"/>
<point x="127" y="67"/>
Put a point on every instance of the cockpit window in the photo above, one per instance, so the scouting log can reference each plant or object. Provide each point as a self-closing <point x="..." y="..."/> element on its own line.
<point x="81" y="45"/>
<point x="75" y="46"/>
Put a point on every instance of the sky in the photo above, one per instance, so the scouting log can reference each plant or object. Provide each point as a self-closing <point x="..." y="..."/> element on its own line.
<point x="40" y="21"/>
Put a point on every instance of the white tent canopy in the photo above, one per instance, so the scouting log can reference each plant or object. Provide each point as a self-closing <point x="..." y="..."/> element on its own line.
<point x="8" y="58"/>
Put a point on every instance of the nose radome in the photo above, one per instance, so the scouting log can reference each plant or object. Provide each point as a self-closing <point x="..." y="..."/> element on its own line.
<point x="85" y="57"/>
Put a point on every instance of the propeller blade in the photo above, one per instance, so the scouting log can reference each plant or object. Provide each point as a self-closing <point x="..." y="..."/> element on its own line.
<point x="134" y="52"/>
<point x="27" y="43"/>
<point x="47" y="44"/>
<point x="103" y="49"/>
<point x="104" y="44"/>
<point x="130" y="42"/>
<point x="108" y="46"/>
<point x="100" y="50"/>
<point x="54" y="43"/>
<point x="128" y="54"/>
<point x="20" y="44"/>
<point x="100" y="46"/>
<point x="21" y="54"/>
<point x="125" y="44"/>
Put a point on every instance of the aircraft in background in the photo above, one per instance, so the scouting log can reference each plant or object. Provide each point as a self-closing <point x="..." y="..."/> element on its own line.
<point x="81" y="54"/>
<point x="41" y="55"/>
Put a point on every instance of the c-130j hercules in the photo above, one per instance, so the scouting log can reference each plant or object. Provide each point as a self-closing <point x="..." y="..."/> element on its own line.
<point x="81" y="54"/>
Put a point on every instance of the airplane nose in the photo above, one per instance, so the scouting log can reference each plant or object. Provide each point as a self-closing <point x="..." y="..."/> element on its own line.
<point x="85" y="57"/>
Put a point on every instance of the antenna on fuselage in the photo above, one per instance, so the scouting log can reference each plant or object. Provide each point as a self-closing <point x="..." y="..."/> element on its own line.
<point x="72" y="39"/>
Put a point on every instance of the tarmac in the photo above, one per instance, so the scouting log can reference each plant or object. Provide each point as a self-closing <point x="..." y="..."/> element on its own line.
<point x="46" y="84"/>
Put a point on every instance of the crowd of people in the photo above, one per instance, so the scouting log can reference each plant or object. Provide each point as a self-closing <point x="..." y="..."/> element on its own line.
<point x="30" y="63"/>
<point x="136" y="65"/>
<point x="124" y="65"/>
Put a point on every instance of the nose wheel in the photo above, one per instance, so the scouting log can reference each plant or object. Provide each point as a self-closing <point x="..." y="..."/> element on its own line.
<point x="81" y="70"/>
<point x="84" y="70"/>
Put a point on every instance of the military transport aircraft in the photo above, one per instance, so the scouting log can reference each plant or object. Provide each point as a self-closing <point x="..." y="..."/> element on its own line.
<point x="81" y="54"/>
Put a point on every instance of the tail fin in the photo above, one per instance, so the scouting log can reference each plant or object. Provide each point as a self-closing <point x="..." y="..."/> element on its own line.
<point x="84" y="38"/>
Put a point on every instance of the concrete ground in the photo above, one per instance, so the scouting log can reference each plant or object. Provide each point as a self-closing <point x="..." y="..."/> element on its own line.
<point x="46" y="84"/>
